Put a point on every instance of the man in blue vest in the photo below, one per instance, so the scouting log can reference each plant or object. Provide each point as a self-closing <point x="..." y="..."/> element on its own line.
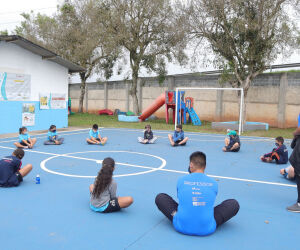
<point x="195" y="214"/>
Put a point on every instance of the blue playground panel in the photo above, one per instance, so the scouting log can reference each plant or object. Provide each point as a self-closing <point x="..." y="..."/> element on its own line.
<point x="194" y="117"/>
<point x="56" y="214"/>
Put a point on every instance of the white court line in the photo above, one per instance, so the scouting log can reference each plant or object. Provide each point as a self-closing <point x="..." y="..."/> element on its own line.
<point x="82" y="158"/>
<point x="242" y="138"/>
<point x="100" y="161"/>
<point x="177" y="171"/>
<point x="163" y="164"/>
<point x="75" y="130"/>
<point x="41" y="137"/>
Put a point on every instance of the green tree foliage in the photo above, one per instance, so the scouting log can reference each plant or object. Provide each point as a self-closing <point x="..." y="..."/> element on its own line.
<point x="3" y="32"/>
<point x="146" y="32"/>
<point x="76" y="33"/>
<point x="245" y="35"/>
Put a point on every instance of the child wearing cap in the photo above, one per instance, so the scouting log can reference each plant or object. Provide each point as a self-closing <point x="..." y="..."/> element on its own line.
<point x="148" y="136"/>
<point x="279" y="154"/>
<point x="232" y="144"/>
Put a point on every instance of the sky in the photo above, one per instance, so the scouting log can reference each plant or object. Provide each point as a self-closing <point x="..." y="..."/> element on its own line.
<point x="10" y="17"/>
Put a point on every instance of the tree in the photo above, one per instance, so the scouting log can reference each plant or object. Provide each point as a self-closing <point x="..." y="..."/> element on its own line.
<point x="3" y="32"/>
<point x="247" y="35"/>
<point x="75" y="33"/>
<point x="145" y="31"/>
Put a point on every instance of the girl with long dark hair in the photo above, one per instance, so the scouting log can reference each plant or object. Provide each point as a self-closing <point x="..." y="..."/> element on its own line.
<point x="103" y="191"/>
<point x="295" y="162"/>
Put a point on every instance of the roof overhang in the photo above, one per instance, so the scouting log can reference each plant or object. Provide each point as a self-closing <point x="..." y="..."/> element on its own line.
<point x="44" y="53"/>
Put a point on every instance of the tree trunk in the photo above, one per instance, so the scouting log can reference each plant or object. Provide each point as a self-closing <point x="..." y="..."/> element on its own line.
<point x="82" y="92"/>
<point x="133" y="93"/>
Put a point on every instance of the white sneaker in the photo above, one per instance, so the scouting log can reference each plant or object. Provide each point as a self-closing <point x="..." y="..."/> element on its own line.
<point x="294" y="208"/>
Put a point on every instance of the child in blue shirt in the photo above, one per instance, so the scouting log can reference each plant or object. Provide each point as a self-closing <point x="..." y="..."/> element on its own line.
<point x="178" y="138"/>
<point x="195" y="213"/>
<point x="279" y="154"/>
<point x="52" y="137"/>
<point x="95" y="137"/>
<point x="24" y="139"/>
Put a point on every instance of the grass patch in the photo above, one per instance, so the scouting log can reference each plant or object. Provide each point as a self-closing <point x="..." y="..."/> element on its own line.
<point x="87" y="120"/>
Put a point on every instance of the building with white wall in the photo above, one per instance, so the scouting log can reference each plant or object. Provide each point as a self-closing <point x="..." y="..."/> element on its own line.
<point x="28" y="70"/>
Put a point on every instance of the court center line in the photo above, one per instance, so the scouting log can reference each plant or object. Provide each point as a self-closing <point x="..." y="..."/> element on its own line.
<point x="81" y="158"/>
<point x="174" y="171"/>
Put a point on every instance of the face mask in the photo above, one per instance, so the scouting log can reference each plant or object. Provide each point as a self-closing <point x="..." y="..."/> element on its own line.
<point x="53" y="131"/>
<point x="276" y="144"/>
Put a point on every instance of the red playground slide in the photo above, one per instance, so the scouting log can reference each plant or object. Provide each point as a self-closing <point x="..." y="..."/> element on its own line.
<point x="159" y="101"/>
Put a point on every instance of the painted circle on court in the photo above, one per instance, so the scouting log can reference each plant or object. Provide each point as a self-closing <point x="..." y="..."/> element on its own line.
<point x="151" y="169"/>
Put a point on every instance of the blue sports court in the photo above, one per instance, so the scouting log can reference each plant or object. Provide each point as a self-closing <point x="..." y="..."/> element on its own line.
<point x="56" y="213"/>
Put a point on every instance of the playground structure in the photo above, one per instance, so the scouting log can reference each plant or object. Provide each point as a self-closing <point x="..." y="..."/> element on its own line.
<point x="184" y="106"/>
<point x="299" y="121"/>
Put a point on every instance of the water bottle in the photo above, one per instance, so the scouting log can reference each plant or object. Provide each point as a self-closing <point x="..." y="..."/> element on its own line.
<point x="38" y="179"/>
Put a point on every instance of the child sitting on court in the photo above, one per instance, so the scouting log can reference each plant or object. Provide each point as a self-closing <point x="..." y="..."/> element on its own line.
<point x="53" y="138"/>
<point x="95" y="137"/>
<point x="11" y="173"/>
<point x="148" y="136"/>
<point x="233" y="143"/>
<point x="288" y="172"/>
<point x="24" y="139"/>
<point x="178" y="138"/>
<point x="103" y="196"/>
<point x="279" y="154"/>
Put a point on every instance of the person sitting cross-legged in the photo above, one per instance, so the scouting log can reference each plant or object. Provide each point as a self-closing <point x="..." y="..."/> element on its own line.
<point x="178" y="138"/>
<point x="195" y="214"/>
<point x="11" y="172"/>
<point x="233" y="143"/>
<point x="279" y="154"/>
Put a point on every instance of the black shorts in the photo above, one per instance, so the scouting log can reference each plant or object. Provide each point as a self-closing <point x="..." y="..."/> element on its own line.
<point x="113" y="206"/>
<point x="228" y="149"/>
<point x="236" y="150"/>
<point x="24" y="144"/>
<point x="177" y="143"/>
<point x="97" y="139"/>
